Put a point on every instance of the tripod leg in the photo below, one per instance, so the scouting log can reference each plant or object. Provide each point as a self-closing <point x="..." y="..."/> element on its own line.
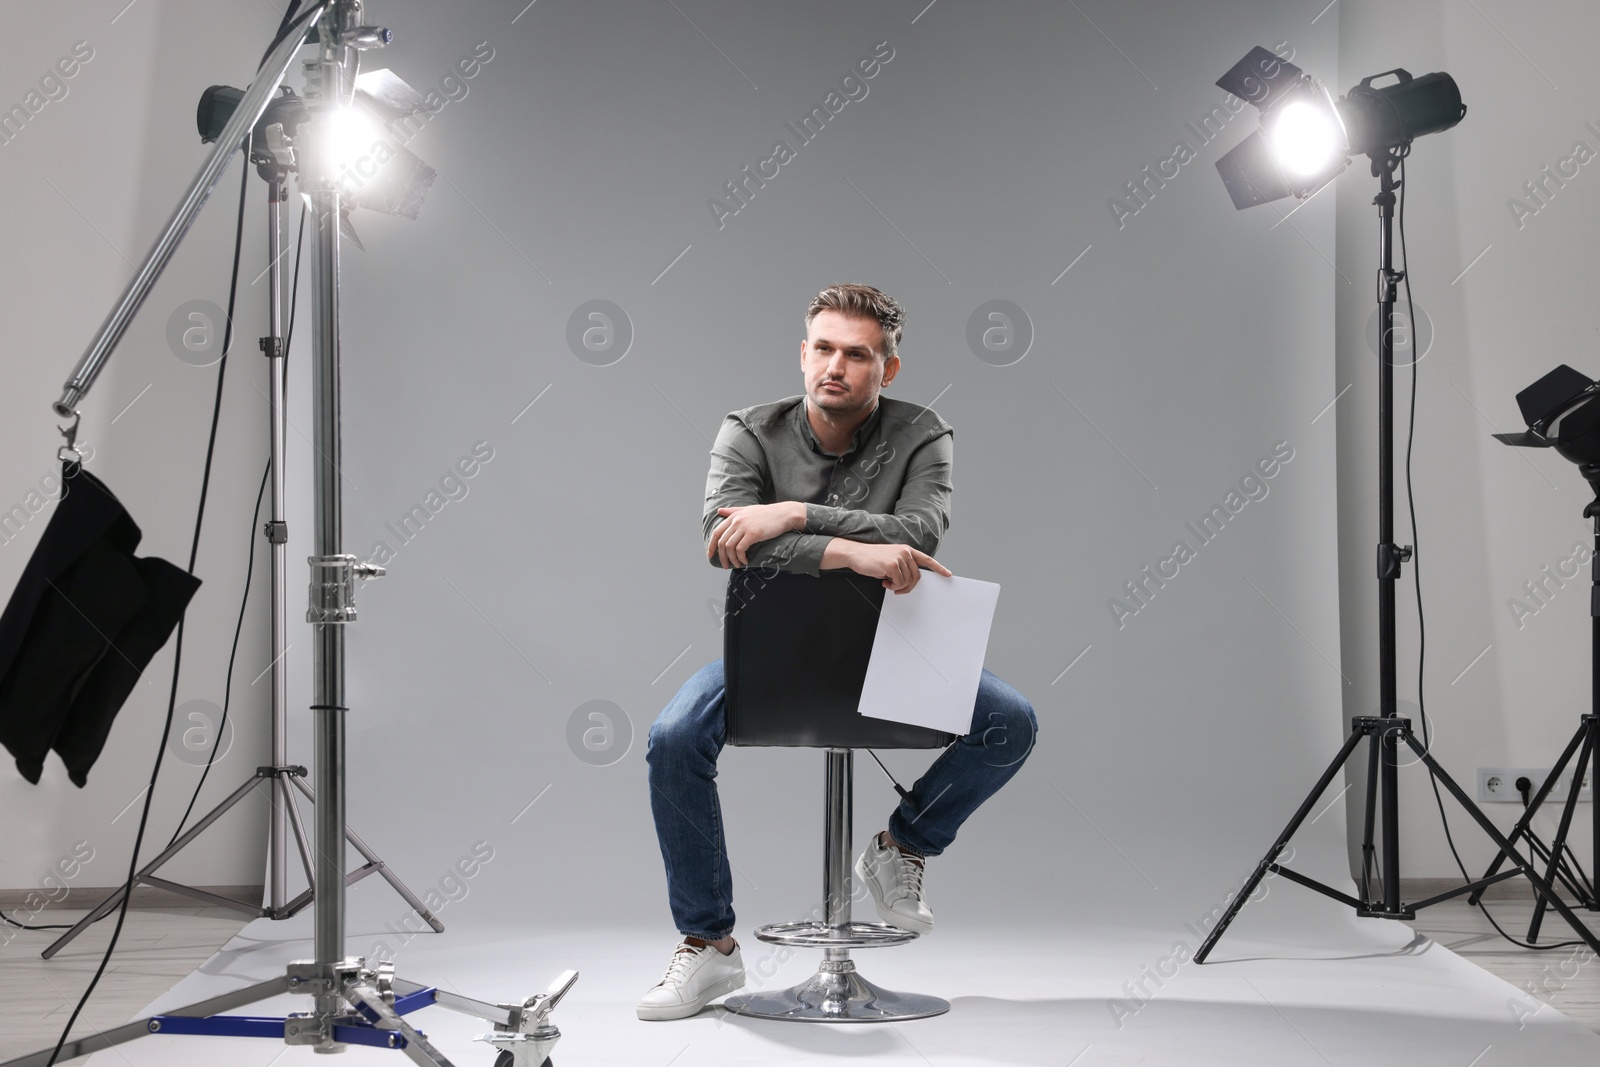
<point x="171" y="850"/>
<point x="300" y="840"/>
<point x="1560" y="840"/>
<point x="107" y="905"/>
<point x="1368" y="857"/>
<point x="1578" y="882"/>
<point x="1389" y="777"/>
<point x="306" y="896"/>
<point x="104" y="1039"/>
<point x="1533" y="806"/>
<point x="390" y="877"/>
<point x="1569" y="871"/>
<point x="1278" y="846"/>
<point x="1489" y="828"/>
<point x="417" y="1049"/>
<point x="382" y="868"/>
<point x="1541" y="855"/>
<point x="1593" y="724"/>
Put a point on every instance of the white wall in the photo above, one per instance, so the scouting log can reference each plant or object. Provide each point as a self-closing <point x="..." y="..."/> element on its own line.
<point x="1490" y="517"/>
<point x="87" y="185"/>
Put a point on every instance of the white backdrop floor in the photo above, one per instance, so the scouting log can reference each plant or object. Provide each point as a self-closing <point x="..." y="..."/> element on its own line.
<point x="1365" y="993"/>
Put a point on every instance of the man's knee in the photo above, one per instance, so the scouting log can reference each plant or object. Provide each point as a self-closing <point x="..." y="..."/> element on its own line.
<point x="674" y="737"/>
<point x="663" y="735"/>
<point x="689" y="721"/>
<point x="1026" y="715"/>
<point x="1009" y="725"/>
<point x="1022" y="715"/>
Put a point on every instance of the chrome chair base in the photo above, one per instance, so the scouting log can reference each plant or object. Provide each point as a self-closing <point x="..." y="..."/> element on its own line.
<point x="836" y="994"/>
<point x="812" y="934"/>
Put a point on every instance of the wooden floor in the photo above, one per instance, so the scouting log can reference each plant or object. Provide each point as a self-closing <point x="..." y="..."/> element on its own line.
<point x="1568" y="979"/>
<point x="162" y="943"/>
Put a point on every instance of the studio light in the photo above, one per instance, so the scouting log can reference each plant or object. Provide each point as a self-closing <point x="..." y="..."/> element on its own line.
<point x="1304" y="141"/>
<point x="365" y="140"/>
<point x="1306" y="137"/>
<point x="1562" y="411"/>
<point x="355" y="1000"/>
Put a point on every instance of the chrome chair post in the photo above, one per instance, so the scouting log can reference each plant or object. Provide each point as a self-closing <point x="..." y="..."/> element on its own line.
<point x="836" y="993"/>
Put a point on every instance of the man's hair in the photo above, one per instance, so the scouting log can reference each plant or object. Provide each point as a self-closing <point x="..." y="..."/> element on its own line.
<point x="862" y="302"/>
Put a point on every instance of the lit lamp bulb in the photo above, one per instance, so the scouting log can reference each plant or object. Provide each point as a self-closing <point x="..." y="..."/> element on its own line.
<point x="354" y="138"/>
<point x="1305" y="139"/>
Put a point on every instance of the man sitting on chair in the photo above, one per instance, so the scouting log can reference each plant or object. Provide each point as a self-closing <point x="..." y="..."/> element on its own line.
<point x="838" y="478"/>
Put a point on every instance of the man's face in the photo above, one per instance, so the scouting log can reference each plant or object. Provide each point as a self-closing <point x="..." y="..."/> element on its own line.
<point x="842" y="367"/>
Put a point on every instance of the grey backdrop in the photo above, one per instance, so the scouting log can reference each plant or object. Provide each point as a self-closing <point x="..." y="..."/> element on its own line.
<point x="1175" y="343"/>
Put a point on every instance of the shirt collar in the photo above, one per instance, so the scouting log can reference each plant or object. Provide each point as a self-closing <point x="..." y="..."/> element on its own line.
<point x="866" y="427"/>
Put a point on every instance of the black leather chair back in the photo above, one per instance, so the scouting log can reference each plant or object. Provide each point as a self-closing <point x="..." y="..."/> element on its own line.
<point x="795" y="652"/>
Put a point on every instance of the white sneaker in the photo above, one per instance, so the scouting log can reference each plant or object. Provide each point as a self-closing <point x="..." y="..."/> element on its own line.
<point x="694" y="978"/>
<point x="895" y="880"/>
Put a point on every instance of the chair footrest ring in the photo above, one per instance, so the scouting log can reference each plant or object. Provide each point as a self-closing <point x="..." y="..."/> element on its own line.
<point x="812" y="934"/>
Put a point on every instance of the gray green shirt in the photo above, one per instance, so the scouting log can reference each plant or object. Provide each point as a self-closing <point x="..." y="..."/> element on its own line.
<point x="893" y="485"/>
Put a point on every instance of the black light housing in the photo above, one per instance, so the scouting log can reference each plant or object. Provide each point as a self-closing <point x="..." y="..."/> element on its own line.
<point x="217" y="105"/>
<point x="1396" y="115"/>
<point x="1306" y="138"/>
<point x="1562" y="411"/>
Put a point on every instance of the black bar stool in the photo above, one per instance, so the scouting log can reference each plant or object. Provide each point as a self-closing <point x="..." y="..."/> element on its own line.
<point x="795" y="652"/>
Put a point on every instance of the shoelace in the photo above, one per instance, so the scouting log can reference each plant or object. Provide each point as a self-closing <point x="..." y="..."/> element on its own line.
<point x="908" y="873"/>
<point x="681" y="959"/>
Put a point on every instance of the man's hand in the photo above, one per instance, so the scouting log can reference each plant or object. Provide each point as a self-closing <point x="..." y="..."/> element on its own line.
<point x="898" y="565"/>
<point x="747" y="525"/>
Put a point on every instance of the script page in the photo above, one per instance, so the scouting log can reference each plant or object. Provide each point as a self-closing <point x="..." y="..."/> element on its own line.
<point x="928" y="653"/>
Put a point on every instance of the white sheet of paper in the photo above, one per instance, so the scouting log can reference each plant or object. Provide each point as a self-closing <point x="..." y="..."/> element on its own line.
<point x="927" y="657"/>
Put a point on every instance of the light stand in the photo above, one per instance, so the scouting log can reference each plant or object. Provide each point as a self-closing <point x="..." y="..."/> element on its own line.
<point x="1562" y="865"/>
<point x="280" y="775"/>
<point x="353" y="1002"/>
<point x="1386" y="732"/>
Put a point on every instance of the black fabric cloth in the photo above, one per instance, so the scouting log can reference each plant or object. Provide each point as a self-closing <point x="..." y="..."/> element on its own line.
<point x="85" y="620"/>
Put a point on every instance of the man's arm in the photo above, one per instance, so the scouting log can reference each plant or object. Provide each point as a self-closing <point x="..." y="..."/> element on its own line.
<point x="737" y="478"/>
<point x="837" y="555"/>
<point x="921" y="514"/>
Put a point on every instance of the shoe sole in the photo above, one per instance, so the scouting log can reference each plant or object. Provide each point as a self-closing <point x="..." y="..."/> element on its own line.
<point x="910" y="926"/>
<point x="666" y="1013"/>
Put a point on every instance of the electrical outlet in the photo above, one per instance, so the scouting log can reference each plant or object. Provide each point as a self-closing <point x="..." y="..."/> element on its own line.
<point x="1499" y="784"/>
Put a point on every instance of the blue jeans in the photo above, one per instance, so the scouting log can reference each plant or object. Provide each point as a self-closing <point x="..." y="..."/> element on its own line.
<point x="682" y="755"/>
